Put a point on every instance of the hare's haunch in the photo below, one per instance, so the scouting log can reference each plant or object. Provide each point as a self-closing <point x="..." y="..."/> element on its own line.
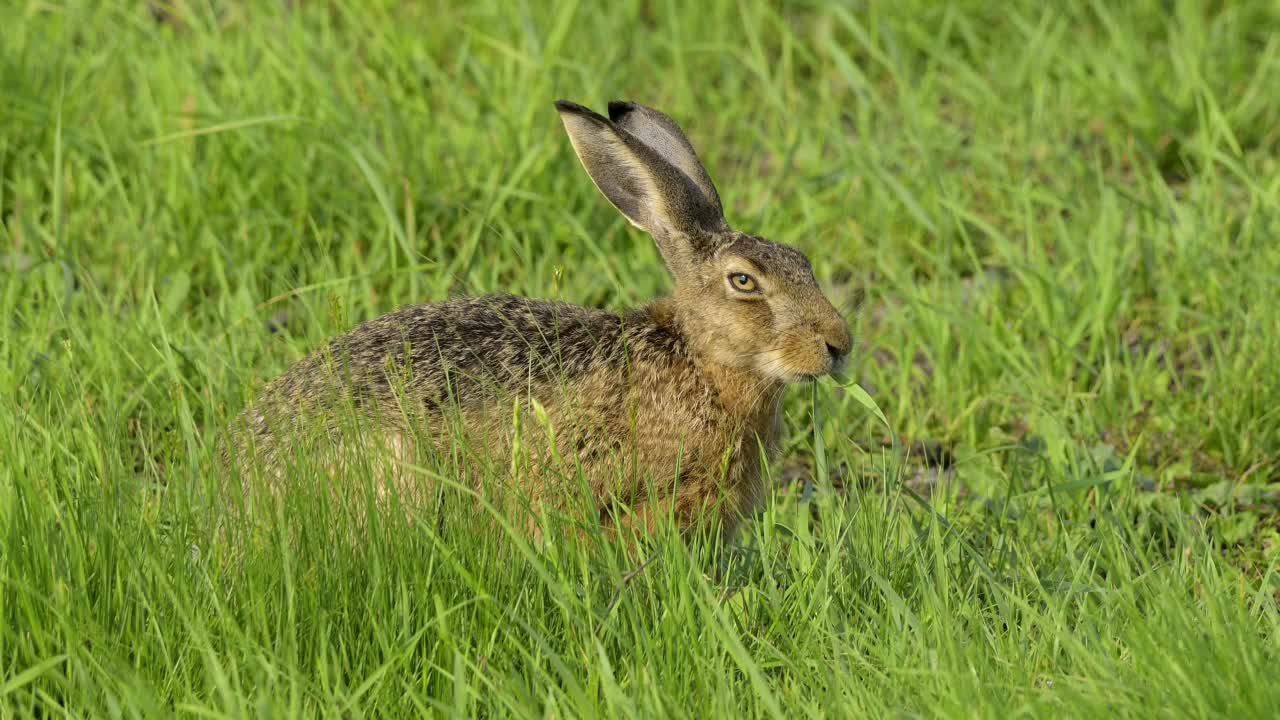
<point x="663" y="409"/>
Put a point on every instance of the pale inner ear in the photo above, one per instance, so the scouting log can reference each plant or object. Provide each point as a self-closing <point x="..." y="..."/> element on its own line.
<point x="648" y="198"/>
<point x="663" y="135"/>
<point x="617" y="173"/>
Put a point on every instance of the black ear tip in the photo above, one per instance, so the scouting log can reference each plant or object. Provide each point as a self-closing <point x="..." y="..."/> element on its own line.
<point x="618" y="109"/>
<point x="570" y="106"/>
<point x="567" y="107"/>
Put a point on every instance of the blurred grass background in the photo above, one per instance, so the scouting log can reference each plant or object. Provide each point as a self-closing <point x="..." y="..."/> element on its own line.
<point x="1055" y="227"/>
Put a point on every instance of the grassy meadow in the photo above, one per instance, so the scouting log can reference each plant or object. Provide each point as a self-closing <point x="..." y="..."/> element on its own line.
<point x="1056" y="228"/>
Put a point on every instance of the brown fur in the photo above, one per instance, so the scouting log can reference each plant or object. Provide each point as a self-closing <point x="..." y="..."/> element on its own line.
<point x="664" y="408"/>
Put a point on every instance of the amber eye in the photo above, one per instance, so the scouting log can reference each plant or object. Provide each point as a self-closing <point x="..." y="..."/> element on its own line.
<point x="742" y="282"/>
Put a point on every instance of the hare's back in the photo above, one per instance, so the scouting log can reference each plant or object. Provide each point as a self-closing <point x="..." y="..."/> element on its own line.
<point x="465" y="349"/>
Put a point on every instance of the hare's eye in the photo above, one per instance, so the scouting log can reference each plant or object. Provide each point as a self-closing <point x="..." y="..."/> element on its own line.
<point x="742" y="282"/>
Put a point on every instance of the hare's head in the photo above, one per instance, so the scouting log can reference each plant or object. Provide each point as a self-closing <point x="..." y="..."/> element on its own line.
<point x="742" y="301"/>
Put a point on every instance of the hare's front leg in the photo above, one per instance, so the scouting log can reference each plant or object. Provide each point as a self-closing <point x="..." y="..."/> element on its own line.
<point x="689" y="512"/>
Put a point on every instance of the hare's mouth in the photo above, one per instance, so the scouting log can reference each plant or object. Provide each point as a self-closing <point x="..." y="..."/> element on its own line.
<point x="839" y="364"/>
<point x="792" y="366"/>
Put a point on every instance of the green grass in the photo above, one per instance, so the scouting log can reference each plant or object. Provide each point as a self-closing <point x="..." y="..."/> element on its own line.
<point x="1060" y="225"/>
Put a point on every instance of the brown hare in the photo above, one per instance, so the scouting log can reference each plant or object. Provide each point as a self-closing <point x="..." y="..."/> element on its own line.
<point x="660" y="411"/>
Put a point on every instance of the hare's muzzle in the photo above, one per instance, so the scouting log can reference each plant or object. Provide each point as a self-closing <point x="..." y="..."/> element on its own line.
<point x="839" y="343"/>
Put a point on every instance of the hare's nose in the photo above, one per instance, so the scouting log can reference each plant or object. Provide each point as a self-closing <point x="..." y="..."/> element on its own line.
<point x="838" y="343"/>
<point x="838" y="340"/>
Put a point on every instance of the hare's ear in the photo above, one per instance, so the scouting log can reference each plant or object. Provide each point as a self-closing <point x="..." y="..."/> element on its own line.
<point x="653" y="192"/>
<point x="661" y="133"/>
